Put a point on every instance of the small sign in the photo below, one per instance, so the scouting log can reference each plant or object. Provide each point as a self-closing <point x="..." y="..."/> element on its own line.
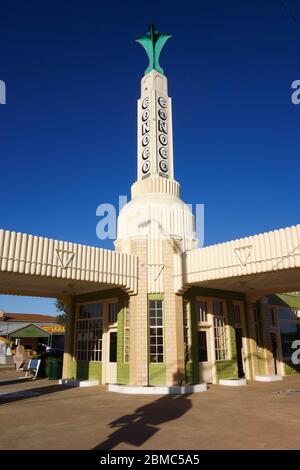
<point x="54" y="328"/>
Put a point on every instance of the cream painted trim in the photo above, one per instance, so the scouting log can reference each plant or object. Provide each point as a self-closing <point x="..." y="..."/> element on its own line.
<point x="106" y="363"/>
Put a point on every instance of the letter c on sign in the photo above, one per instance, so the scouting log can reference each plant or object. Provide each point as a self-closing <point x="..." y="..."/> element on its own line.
<point x="146" y="167"/>
<point x="146" y="153"/>
<point x="145" y="103"/>
<point x="162" y="102"/>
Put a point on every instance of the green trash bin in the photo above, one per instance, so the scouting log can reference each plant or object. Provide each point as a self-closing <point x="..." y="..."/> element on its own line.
<point x="54" y="368"/>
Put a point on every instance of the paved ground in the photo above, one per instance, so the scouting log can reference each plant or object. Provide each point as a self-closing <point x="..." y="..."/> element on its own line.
<point x="49" y="416"/>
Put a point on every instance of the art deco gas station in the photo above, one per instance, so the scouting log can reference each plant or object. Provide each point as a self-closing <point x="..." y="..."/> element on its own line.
<point x="159" y="314"/>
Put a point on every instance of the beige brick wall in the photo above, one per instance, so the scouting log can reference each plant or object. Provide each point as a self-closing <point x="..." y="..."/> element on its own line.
<point x="173" y="324"/>
<point x="174" y="348"/>
<point x="69" y="337"/>
<point x="139" y="320"/>
<point x="252" y="357"/>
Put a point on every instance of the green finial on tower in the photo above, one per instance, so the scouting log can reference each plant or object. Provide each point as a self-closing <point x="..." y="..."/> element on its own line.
<point x="153" y="44"/>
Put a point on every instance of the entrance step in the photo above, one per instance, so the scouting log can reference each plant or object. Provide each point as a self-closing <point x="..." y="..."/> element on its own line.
<point x="233" y="382"/>
<point x="78" y="383"/>
<point x="174" y="390"/>
<point x="268" y="378"/>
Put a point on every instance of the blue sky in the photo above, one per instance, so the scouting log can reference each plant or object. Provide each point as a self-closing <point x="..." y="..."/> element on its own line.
<point x="68" y="131"/>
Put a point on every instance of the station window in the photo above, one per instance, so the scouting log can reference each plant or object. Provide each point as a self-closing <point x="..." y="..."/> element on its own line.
<point x="202" y="346"/>
<point x="201" y="311"/>
<point x="88" y="332"/>
<point x="186" y="331"/>
<point x="220" y="331"/>
<point x="289" y="324"/>
<point x="156" y="331"/>
<point x="112" y="313"/>
<point x="127" y="335"/>
<point x="236" y="309"/>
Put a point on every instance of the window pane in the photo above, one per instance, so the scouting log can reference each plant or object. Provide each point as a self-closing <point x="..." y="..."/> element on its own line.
<point x="221" y="340"/>
<point x="286" y="314"/>
<point x="156" y="331"/>
<point x="201" y="311"/>
<point x="112" y="313"/>
<point x="127" y="335"/>
<point x="113" y="346"/>
<point x="186" y="329"/>
<point x="202" y="346"/>
<point x="217" y="307"/>
<point x="88" y="332"/>
<point x="236" y="313"/>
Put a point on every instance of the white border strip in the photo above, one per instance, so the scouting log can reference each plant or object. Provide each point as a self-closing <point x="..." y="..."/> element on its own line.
<point x="79" y="383"/>
<point x="268" y="378"/>
<point x="233" y="382"/>
<point x="174" y="390"/>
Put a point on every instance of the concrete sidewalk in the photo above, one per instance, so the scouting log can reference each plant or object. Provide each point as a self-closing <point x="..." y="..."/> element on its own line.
<point x="44" y="415"/>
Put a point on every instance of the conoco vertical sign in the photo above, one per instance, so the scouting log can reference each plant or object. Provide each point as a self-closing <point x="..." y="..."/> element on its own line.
<point x="162" y="137"/>
<point x="154" y="137"/>
<point x="146" y="153"/>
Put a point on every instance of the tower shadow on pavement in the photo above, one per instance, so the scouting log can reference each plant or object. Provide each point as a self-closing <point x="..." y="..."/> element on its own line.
<point x="144" y="422"/>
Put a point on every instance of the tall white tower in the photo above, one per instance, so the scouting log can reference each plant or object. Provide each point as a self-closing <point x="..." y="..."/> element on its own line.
<point x="158" y="227"/>
<point x="156" y="210"/>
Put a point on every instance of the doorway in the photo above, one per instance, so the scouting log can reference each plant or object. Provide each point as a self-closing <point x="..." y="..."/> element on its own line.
<point x="239" y="352"/>
<point x="111" y="363"/>
<point x="204" y="355"/>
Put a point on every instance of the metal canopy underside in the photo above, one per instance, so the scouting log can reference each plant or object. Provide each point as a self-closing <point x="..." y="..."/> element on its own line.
<point x="257" y="285"/>
<point x="35" y="286"/>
